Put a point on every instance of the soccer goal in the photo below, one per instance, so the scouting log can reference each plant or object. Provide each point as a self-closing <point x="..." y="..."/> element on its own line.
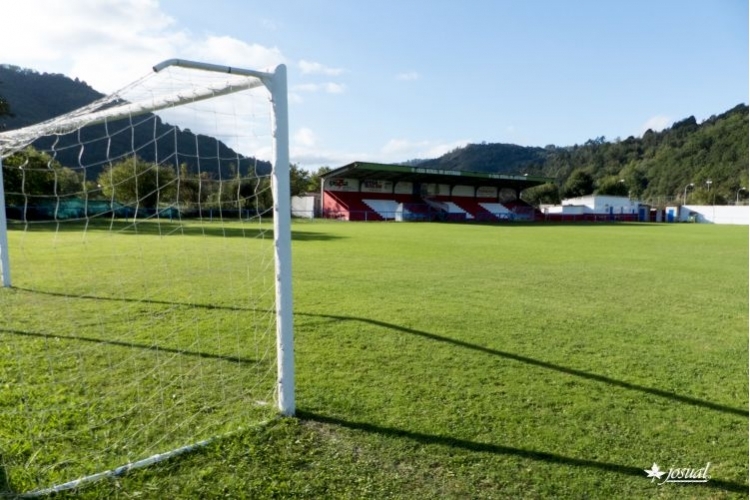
<point x="145" y="256"/>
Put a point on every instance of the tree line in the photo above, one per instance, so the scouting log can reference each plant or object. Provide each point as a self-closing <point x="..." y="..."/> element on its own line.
<point x="703" y="162"/>
<point x="34" y="177"/>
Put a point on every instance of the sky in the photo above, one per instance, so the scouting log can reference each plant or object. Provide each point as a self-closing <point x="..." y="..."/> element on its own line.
<point x="395" y="80"/>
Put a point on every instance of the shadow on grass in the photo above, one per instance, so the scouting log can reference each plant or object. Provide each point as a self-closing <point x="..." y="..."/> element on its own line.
<point x="543" y="364"/>
<point x="495" y="352"/>
<point x="429" y="439"/>
<point x="235" y="229"/>
<point x="460" y="343"/>
<point x="119" y="343"/>
<point x="138" y="301"/>
<point x="5" y="488"/>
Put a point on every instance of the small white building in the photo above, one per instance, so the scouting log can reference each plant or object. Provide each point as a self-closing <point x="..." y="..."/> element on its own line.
<point x="594" y="204"/>
<point x="604" y="204"/>
<point x="305" y="206"/>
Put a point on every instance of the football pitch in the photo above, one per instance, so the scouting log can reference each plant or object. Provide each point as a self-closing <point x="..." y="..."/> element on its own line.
<point x="442" y="360"/>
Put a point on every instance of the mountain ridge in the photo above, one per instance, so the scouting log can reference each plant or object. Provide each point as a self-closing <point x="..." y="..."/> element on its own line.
<point x="35" y="97"/>
<point x="657" y="164"/>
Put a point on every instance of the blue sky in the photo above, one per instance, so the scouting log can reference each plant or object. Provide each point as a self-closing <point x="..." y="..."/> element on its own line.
<point x="389" y="81"/>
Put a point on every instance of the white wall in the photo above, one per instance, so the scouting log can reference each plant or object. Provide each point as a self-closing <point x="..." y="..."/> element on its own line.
<point x="565" y="209"/>
<point x="717" y="214"/>
<point x="303" y="206"/>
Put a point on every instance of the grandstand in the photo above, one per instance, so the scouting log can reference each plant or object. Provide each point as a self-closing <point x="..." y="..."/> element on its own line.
<point x="375" y="192"/>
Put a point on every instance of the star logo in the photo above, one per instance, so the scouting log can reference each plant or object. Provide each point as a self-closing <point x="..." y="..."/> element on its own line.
<point x="654" y="472"/>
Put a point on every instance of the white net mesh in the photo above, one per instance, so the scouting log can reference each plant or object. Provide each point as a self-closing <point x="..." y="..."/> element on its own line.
<point x="141" y="317"/>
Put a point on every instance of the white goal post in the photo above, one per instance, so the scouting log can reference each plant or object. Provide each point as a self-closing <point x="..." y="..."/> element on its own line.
<point x="164" y="218"/>
<point x="4" y="258"/>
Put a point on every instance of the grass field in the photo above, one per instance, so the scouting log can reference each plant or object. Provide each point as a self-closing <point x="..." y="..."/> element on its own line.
<point x="442" y="360"/>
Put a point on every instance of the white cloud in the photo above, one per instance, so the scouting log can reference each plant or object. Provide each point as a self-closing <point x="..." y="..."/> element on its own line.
<point x="334" y="88"/>
<point x="329" y="87"/>
<point x="110" y="44"/>
<point x="402" y="146"/>
<point x="269" y="24"/>
<point x="396" y="150"/>
<point x="656" y="123"/>
<point x="306" y="152"/>
<point x="295" y="98"/>
<point x="409" y="76"/>
<point x="305" y="137"/>
<point x="314" y="68"/>
<point x="234" y="52"/>
<point x="311" y="158"/>
<point x="306" y="87"/>
<point x="439" y="149"/>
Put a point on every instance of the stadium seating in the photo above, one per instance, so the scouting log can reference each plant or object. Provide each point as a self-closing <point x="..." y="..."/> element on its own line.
<point x="523" y="210"/>
<point x="351" y="207"/>
<point x="388" y="206"/>
<point x="385" y="208"/>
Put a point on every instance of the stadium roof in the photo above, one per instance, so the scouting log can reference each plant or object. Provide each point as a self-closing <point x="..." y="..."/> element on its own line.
<point x="397" y="173"/>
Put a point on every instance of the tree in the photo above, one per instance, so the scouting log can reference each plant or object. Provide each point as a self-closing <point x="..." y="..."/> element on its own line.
<point x="4" y="107"/>
<point x="580" y="183"/>
<point x="192" y="189"/>
<point x="299" y="180"/>
<point x="613" y="186"/>
<point x="250" y="192"/>
<point x="707" y="197"/>
<point x="313" y="185"/>
<point x="635" y="179"/>
<point x="31" y="173"/>
<point x="546" y="194"/>
<point x="135" y="181"/>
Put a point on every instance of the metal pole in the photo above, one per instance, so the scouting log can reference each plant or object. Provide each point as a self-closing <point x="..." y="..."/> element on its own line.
<point x="282" y="231"/>
<point x="4" y="258"/>
<point x="684" y="194"/>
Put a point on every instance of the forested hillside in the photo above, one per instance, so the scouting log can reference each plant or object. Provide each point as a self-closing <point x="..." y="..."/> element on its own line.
<point x="657" y="165"/>
<point x="35" y="97"/>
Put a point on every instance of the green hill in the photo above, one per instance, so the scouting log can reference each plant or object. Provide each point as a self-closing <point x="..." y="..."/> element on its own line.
<point x="35" y="97"/>
<point x="658" y="165"/>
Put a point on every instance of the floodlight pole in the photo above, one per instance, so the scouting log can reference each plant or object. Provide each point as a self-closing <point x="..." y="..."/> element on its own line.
<point x="737" y="202"/>
<point x="4" y="258"/>
<point x="684" y="194"/>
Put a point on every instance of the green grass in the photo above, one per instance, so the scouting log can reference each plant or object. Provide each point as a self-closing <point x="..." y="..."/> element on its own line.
<point x="452" y="361"/>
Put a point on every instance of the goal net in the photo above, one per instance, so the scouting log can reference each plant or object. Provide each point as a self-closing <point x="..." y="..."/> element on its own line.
<point x="145" y="263"/>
